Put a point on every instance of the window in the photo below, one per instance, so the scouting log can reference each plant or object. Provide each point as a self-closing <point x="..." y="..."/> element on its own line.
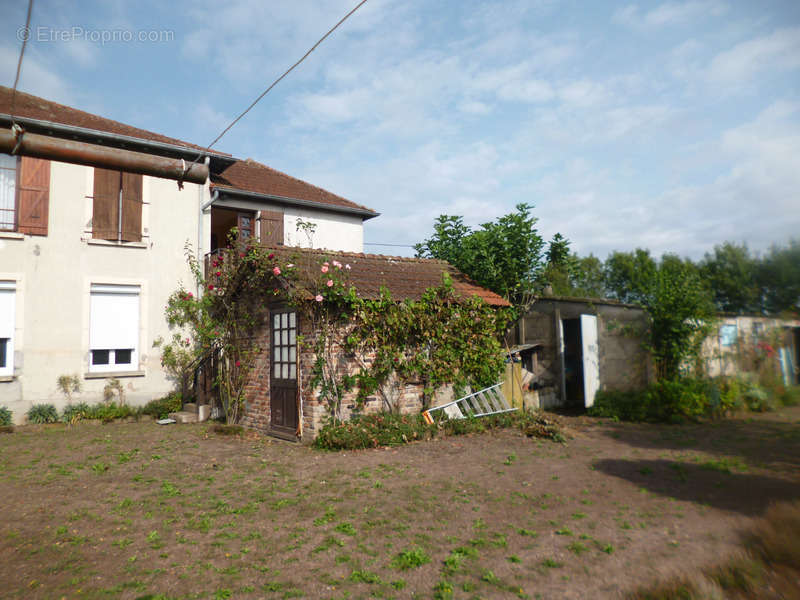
<point x="114" y="328"/>
<point x="24" y="194"/>
<point x="284" y="345"/>
<point x="117" y="206"/>
<point x="728" y="335"/>
<point x="7" y="305"/>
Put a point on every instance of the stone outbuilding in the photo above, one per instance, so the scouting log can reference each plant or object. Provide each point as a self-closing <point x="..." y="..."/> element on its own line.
<point x="280" y="398"/>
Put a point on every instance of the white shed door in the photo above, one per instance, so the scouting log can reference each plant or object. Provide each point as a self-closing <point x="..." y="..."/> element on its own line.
<point x="591" y="359"/>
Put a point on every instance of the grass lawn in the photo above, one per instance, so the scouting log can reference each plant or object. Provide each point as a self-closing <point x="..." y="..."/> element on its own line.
<point x="137" y="510"/>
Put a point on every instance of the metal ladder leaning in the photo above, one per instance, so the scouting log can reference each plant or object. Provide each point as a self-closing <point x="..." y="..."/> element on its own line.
<point x="488" y="401"/>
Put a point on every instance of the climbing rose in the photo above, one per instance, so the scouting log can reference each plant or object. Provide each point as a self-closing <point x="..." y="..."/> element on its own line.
<point x="271" y="255"/>
<point x="347" y="267"/>
<point x="324" y="268"/>
<point x="210" y="287"/>
<point x="318" y="298"/>
<point x="218" y="273"/>
<point x="276" y="271"/>
<point x="329" y="283"/>
<point x="337" y="264"/>
<point x="238" y="363"/>
<point x="290" y="265"/>
<point x="189" y="295"/>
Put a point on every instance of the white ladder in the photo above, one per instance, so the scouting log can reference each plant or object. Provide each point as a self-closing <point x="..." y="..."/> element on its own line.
<point x="488" y="401"/>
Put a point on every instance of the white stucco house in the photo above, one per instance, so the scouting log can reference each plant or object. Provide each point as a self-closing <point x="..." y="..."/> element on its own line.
<point x="88" y="256"/>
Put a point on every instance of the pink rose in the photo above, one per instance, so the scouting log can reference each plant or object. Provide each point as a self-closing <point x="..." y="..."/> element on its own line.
<point x="324" y="268"/>
<point x="329" y="283"/>
<point x="337" y="264"/>
<point x="189" y="295"/>
<point x="318" y="298"/>
<point x="276" y="271"/>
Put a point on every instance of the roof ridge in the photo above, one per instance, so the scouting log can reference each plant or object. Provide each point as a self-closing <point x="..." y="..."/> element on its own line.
<point x="409" y="259"/>
<point x="59" y="105"/>
<point x="253" y="162"/>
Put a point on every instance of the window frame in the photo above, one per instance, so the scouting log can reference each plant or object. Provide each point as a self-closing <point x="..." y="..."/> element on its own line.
<point x="112" y="366"/>
<point x="8" y="329"/>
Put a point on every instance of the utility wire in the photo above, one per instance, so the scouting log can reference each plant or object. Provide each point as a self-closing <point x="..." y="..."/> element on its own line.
<point x="274" y="83"/>
<point x="26" y="33"/>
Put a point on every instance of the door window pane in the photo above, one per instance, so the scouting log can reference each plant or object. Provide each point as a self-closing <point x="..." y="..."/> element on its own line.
<point x="292" y="320"/>
<point x="292" y="371"/>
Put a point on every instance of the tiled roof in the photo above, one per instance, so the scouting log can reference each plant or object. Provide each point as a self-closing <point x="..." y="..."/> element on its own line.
<point x="34" y="107"/>
<point x="405" y="278"/>
<point x="252" y="176"/>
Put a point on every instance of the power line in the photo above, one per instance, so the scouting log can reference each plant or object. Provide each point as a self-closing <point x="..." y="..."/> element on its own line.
<point x="274" y="83"/>
<point x="25" y="33"/>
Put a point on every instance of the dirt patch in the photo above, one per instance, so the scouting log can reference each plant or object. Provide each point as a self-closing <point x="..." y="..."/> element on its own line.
<point x="131" y="510"/>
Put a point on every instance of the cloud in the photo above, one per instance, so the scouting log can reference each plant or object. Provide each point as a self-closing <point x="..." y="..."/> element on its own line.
<point x="38" y="77"/>
<point x="778" y="51"/>
<point x="668" y="14"/>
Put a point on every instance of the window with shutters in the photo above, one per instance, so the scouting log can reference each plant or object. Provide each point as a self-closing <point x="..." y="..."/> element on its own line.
<point x="271" y="227"/>
<point x="24" y="194"/>
<point x="114" y="328"/>
<point x="117" y="206"/>
<point x="7" y="319"/>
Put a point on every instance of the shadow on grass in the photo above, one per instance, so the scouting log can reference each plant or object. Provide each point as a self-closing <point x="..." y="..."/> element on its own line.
<point x="770" y="440"/>
<point x="708" y="483"/>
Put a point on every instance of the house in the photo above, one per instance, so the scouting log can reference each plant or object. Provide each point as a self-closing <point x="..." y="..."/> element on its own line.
<point x="90" y="252"/>
<point x="280" y="398"/>
<point x="573" y="347"/>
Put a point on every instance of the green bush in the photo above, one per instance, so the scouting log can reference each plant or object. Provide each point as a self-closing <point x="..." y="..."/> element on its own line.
<point x="161" y="407"/>
<point x="76" y="412"/>
<point x="386" y="429"/>
<point x="790" y="396"/>
<point x="663" y="401"/>
<point x="42" y="413"/>
<point x="5" y="417"/>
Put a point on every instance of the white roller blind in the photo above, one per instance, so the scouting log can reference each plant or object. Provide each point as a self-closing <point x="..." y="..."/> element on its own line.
<point x="114" y="317"/>
<point x="7" y="297"/>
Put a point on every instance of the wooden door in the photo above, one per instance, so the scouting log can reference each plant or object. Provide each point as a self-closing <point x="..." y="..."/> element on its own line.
<point x="283" y="382"/>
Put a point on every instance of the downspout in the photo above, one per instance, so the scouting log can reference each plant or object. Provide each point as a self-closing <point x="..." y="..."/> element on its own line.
<point x="203" y="207"/>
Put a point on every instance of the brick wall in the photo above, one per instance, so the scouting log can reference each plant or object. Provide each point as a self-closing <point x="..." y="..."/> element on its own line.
<point x="313" y="411"/>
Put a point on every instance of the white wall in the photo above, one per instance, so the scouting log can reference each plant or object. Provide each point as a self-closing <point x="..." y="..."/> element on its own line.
<point x="333" y="231"/>
<point x="53" y="275"/>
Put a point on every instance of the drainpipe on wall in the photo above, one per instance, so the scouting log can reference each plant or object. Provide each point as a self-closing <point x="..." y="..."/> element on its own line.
<point x="204" y="206"/>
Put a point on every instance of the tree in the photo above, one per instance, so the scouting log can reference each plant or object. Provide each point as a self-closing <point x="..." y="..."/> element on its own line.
<point x="504" y="255"/>
<point x="779" y="278"/>
<point x="588" y="278"/>
<point x="731" y="273"/>
<point x="628" y="275"/>
<point x="681" y="312"/>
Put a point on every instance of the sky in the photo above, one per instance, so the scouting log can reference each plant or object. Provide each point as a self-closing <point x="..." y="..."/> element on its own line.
<point x="672" y="126"/>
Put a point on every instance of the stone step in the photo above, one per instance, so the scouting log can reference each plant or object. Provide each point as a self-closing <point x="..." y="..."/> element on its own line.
<point x="184" y="416"/>
<point x="189" y="407"/>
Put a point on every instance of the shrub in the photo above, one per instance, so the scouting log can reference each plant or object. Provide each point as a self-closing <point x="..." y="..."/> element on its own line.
<point x="42" y="413"/>
<point x="5" y="417"/>
<point x="76" y="412"/>
<point x="790" y="396"/>
<point x="387" y="429"/>
<point x="665" y="400"/>
<point x="111" y="410"/>
<point x="161" y="407"/>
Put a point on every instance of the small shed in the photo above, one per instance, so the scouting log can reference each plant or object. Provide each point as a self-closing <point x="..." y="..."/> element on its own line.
<point x="576" y="346"/>
<point x="280" y="397"/>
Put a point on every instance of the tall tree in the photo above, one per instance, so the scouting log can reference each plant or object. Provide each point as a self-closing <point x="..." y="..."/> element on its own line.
<point x="628" y="274"/>
<point x="731" y="273"/>
<point x="779" y="278"/>
<point x="504" y="255"/>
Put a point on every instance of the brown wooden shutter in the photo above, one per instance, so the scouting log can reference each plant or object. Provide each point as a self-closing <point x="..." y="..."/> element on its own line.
<point x="271" y="231"/>
<point x="131" y="207"/>
<point x="105" y="206"/>
<point x="34" y="195"/>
